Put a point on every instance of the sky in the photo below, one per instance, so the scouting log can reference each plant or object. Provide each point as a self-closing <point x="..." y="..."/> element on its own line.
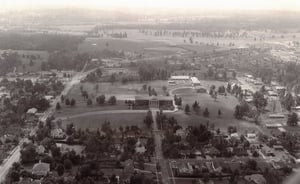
<point x="293" y="5"/>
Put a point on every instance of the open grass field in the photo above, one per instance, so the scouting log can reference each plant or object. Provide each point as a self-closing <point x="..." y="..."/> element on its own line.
<point x="25" y="58"/>
<point x="225" y="104"/>
<point x="147" y="44"/>
<point x="117" y="89"/>
<point x="121" y="91"/>
<point x="81" y="108"/>
<point x="95" y="44"/>
<point x="95" y="121"/>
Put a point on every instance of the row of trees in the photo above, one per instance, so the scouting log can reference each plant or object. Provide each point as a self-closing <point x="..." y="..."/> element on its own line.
<point x="196" y="108"/>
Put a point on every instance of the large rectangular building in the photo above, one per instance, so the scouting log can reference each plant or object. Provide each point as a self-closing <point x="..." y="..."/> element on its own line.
<point x="180" y="77"/>
<point x="162" y="102"/>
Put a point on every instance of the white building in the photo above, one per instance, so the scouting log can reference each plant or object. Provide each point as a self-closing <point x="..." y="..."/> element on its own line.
<point x="180" y="77"/>
<point x="195" y="81"/>
<point x="32" y="111"/>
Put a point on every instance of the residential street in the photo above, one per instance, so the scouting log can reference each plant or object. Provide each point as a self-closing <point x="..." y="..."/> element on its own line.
<point x="158" y="151"/>
<point x="15" y="154"/>
<point x="7" y="163"/>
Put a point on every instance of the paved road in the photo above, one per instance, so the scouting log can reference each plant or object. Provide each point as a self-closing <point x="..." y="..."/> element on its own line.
<point x="14" y="157"/>
<point x="158" y="151"/>
<point x="15" y="154"/>
<point x="101" y="112"/>
<point x="157" y="137"/>
<point x="180" y="87"/>
<point x="247" y="85"/>
<point x="107" y="112"/>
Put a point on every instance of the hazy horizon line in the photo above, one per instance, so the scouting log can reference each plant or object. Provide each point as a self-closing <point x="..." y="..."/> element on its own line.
<point x="156" y="5"/>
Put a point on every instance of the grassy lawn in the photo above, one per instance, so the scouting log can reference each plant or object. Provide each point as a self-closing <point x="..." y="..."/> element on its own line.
<point x="94" y="44"/>
<point x="37" y="63"/>
<point x="225" y="104"/>
<point x="121" y="91"/>
<point x="118" y="89"/>
<point x="81" y="107"/>
<point x="95" y="121"/>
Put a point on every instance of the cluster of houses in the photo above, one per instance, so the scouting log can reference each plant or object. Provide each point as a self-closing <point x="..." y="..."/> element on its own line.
<point x="220" y="168"/>
<point x="275" y="154"/>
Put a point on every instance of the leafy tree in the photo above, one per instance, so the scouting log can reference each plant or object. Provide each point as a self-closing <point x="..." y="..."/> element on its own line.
<point x="70" y="129"/>
<point x="238" y="114"/>
<point x="210" y="72"/>
<point x="28" y="154"/>
<point x="84" y="94"/>
<point x="106" y="128"/>
<point x="15" y="176"/>
<point x="263" y="89"/>
<point x="298" y="100"/>
<point x="187" y="109"/>
<point x="212" y="90"/>
<point x="60" y="170"/>
<point x="124" y="80"/>
<point x="112" y="78"/>
<point x="221" y="89"/>
<point x="89" y="102"/>
<point x="259" y="100"/>
<point x="148" y="119"/>
<point x="31" y="63"/>
<point x="219" y="113"/>
<point x="67" y="164"/>
<point x="55" y="151"/>
<point x="255" y="154"/>
<point x="228" y="88"/>
<point x="47" y="142"/>
<point x="99" y="72"/>
<point x="8" y="62"/>
<point x="67" y="101"/>
<point x="231" y="129"/>
<point x="164" y="88"/>
<point x="293" y="119"/>
<point x="178" y="100"/>
<point x="145" y="87"/>
<point x="198" y="135"/>
<point x="73" y="102"/>
<point x="100" y="99"/>
<point x="297" y="89"/>
<point x="206" y="113"/>
<point x="288" y="101"/>
<point x="251" y="164"/>
<point x="58" y="106"/>
<point x="70" y="139"/>
<point x="112" y="100"/>
<point x="196" y="107"/>
<point x="42" y="104"/>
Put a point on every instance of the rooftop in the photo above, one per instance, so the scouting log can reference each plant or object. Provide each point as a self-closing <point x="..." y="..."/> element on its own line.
<point x="41" y="168"/>
<point x="145" y="97"/>
<point x="195" y="80"/>
<point x="180" y="77"/>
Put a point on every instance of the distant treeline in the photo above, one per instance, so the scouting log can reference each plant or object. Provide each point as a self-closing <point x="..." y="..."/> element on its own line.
<point x="48" y="42"/>
<point x="8" y="62"/>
